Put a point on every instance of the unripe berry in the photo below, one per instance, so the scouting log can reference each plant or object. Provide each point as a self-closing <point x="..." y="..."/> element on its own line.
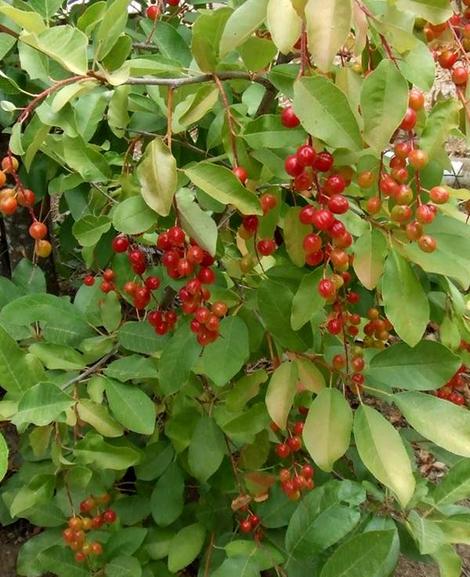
<point x="439" y="195"/>
<point x="416" y="99"/>
<point x="427" y="243"/>
<point x="418" y="158"/>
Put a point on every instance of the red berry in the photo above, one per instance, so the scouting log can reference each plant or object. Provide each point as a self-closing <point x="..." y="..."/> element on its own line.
<point x="292" y="166"/>
<point x="418" y="158"/>
<point x="358" y="379"/>
<point x="250" y="223"/>
<point x="206" y="275"/>
<point x="323" y="162"/>
<point x="439" y="194"/>
<point x="89" y="280"/>
<point x="268" y="202"/>
<point x="306" y="214"/>
<point x="219" y="309"/>
<point x="163" y="242"/>
<point x="136" y="256"/>
<point x="334" y="326"/>
<point x="358" y="364"/>
<point x="38" y="230"/>
<point x="323" y="219"/>
<point x="109" y="275"/>
<point x="87" y="505"/>
<point x="106" y="287"/>
<point x="337" y="229"/>
<point x="282" y="450"/>
<point x="315" y="258"/>
<point x="80" y="557"/>
<point x="240" y="173"/>
<point x="335" y="184"/>
<point x="266" y="247"/>
<point x="307" y="471"/>
<point x="176" y="236"/>
<point x="195" y="254"/>
<point x="409" y="120"/>
<point x="427" y="243"/>
<point x="153" y="12"/>
<point x="245" y="526"/>
<point x="109" y="516"/>
<point x="448" y="58"/>
<point x="303" y="182"/>
<point x="425" y="214"/>
<point x="96" y="548"/>
<point x="254" y="520"/>
<point x="326" y="288"/>
<point x="298" y="428"/>
<point x="312" y="243"/>
<point x="306" y="155"/>
<point x="120" y="243"/>
<point x="338" y="204"/>
<point x="289" y="118"/>
<point x="416" y="99"/>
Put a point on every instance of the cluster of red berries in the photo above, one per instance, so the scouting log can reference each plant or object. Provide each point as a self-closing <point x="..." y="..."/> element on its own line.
<point x="407" y="209"/>
<point x="250" y="224"/>
<point x="153" y="11"/>
<point x="252" y="524"/>
<point x="75" y="534"/>
<point x="12" y="197"/>
<point x="450" y="42"/>
<point x="377" y="330"/>
<point x="298" y="477"/>
<point x="451" y="391"/>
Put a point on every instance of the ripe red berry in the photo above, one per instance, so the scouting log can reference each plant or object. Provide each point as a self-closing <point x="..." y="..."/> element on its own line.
<point x="87" y="505"/>
<point x="409" y="120"/>
<point x="195" y="254"/>
<point x="306" y="214"/>
<point x="89" y="280"/>
<point x="427" y="243"/>
<point x="109" y="516"/>
<point x="335" y="184"/>
<point x="240" y="173"/>
<point x="245" y="526"/>
<point x="96" y="548"/>
<point x="323" y="219"/>
<point x="80" y="557"/>
<point x="120" y="243"/>
<point x="323" y="162"/>
<point x="338" y="204"/>
<point x="38" y="230"/>
<point x="315" y="258"/>
<point x="206" y="275"/>
<point x="326" y="288"/>
<point x="358" y="379"/>
<point x="414" y="230"/>
<point x="292" y="166"/>
<point x="312" y="243"/>
<point x="439" y="194"/>
<point x="108" y="275"/>
<point x="282" y="450"/>
<point x="268" y="202"/>
<point x="176" y="236"/>
<point x="152" y="283"/>
<point x="416" y="99"/>
<point x="448" y="58"/>
<point x="289" y="118"/>
<point x="418" y="158"/>
<point x="97" y="521"/>
<point x="402" y="149"/>
<point x="219" y="309"/>
<point x="459" y="75"/>
<point x="307" y="471"/>
<point x="294" y="443"/>
<point x="153" y="12"/>
<point x="306" y="155"/>
<point x="334" y="326"/>
<point x="303" y="182"/>
<point x="266" y="246"/>
<point x="172" y="2"/>
<point x="250" y="223"/>
<point x="24" y="196"/>
<point x="298" y="428"/>
<point x="425" y="214"/>
<point x="358" y="364"/>
<point x="106" y="287"/>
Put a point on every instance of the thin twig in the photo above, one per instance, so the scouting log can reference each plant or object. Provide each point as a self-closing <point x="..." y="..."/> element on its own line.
<point x="89" y="371"/>
<point x="201" y="78"/>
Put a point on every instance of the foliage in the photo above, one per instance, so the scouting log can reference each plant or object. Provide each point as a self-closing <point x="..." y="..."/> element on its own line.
<point x="266" y="320"/>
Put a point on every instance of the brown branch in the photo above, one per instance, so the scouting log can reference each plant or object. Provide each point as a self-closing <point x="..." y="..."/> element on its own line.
<point x="210" y="550"/>
<point x="9" y="31"/>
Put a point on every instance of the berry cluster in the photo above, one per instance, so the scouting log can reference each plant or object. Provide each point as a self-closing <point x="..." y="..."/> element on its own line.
<point x="377" y="330"/>
<point x="298" y="477"/>
<point x="252" y="524"/>
<point x="12" y="197"/>
<point x="75" y="534"/>
<point x="153" y="11"/>
<point x="451" y="391"/>
<point x="250" y="223"/>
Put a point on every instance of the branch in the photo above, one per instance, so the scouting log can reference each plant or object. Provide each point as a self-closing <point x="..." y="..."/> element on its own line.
<point x="89" y="371"/>
<point x="9" y="31"/>
<point x="177" y="82"/>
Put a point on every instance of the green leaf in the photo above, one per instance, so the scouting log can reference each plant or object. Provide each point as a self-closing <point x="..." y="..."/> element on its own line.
<point x="194" y="107"/>
<point x="327" y="430"/>
<point x="171" y="43"/>
<point x="328" y="26"/>
<point x="196" y="222"/>
<point x="123" y="566"/>
<point x="426" y="367"/>
<point x="222" y="185"/>
<point x="98" y="417"/>
<point x="85" y="159"/>
<point x="28" y="562"/>
<point x="125" y="541"/>
<point x="6" y="44"/>
<point x="167" y="498"/>
<point x="207" y="32"/>
<point x="110" y="308"/>
<point x="310" y="377"/>
<point x="17" y="373"/>
<point x="294" y="234"/>
<point x="157" y="176"/>
<point x="132" y="367"/>
<point x="455" y="529"/>
<point x="383" y="453"/>
<point x="118" y="117"/>
<point x="223" y="359"/>
<point x="443" y="118"/>
<point x="185" y="547"/>
<point x="41" y="405"/>
<point x="369" y="257"/>
<point x="131" y="407"/>
<point x="241" y="24"/>
<point x="70" y="92"/>
<point x="442" y="422"/>
<point x="133" y="216"/>
<point x="238" y="567"/>
<point x="453" y="247"/>
<point x="111" y="27"/>
<point x="64" y="44"/>
<point x="281" y="391"/>
<point x="93" y="450"/>
<point x="405" y="302"/>
<point x="257" y="53"/>
<point x="436" y="11"/>
<point x="267" y="131"/>
<point x="284" y="24"/>
<point x="206" y="450"/>
<point x="174" y="368"/>
<point x="58" y="357"/>
<point x="47" y="8"/>
<point x="29" y="277"/>
<point x="320" y="520"/>
<point x="307" y="301"/>
<point x="449" y="561"/>
<point x="455" y="486"/>
<point x="90" y="228"/>
<point x="325" y="113"/>
<point x="427" y="533"/>
<point x="275" y="306"/>
<point x="418" y="67"/>
<point x="27" y="20"/>
<point x="372" y="554"/>
<point x="3" y="457"/>
<point x="265" y="556"/>
<point x="60" y="561"/>
<point x="384" y="100"/>
<point x="140" y="337"/>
